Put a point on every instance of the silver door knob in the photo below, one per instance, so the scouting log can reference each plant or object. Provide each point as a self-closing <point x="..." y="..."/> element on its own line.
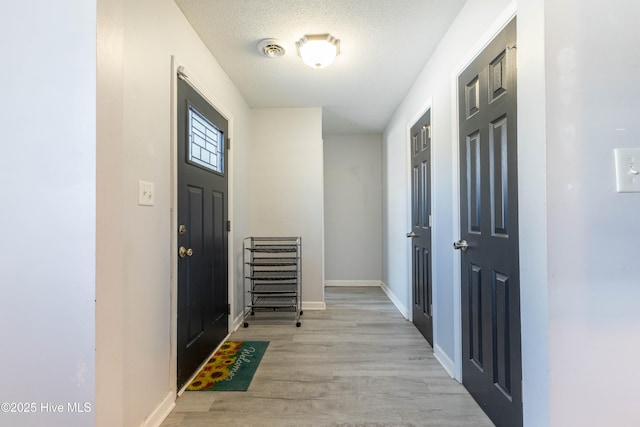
<point x="412" y="234"/>
<point x="182" y="252"/>
<point x="461" y="244"/>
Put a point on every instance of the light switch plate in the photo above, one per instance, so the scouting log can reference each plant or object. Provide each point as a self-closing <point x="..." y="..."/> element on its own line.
<point x="627" y="170"/>
<point x="146" y="193"/>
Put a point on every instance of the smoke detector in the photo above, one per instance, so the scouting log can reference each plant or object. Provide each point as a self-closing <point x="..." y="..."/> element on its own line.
<point x="271" y="48"/>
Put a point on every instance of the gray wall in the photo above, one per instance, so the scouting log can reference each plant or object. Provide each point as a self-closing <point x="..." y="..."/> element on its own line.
<point x="353" y="207"/>
<point x="286" y="187"/>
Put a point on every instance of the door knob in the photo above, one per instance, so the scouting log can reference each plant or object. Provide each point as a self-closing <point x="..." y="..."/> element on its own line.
<point x="182" y="252"/>
<point x="412" y="234"/>
<point x="461" y="244"/>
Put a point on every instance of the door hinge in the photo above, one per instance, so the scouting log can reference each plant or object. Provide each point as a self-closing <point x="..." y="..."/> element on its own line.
<point x="228" y="225"/>
<point x="430" y="221"/>
<point x="228" y="143"/>
<point x="228" y="309"/>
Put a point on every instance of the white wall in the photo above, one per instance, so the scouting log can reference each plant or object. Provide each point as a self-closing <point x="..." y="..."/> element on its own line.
<point x="286" y="187"/>
<point x="433" y="87"/>
<point x="47" y="260"/>
<point x="577" y="102"/>
<point x="353" y="207"/>
<point x="135" y="340"/>
<point x="110" y="151"/>
<point x="532" y="212"/>
<point x="476" y="24"/>
<point x="592" y="65"/>
<point x="47" y="188"/>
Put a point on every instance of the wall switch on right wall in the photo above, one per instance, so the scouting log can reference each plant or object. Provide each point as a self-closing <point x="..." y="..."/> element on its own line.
<point x="627" y="170"/>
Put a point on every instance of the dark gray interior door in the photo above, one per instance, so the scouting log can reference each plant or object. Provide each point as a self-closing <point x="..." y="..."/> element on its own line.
<point x="202" y="230"/>
<point x="491" y="355"/>
<point x="421" y="226"/>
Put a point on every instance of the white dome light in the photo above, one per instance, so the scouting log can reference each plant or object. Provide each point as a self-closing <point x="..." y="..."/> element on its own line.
<point x="318" y="51"/>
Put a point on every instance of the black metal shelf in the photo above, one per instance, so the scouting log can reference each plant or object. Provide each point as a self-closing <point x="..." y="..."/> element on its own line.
<point x="274" y="262"/>
<point x="272" y="275"/>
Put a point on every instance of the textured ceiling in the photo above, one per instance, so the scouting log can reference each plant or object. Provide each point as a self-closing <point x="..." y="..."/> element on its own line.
<point x="383" y="47"/>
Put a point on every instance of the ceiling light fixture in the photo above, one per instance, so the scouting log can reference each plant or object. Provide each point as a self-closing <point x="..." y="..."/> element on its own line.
<point x="318" y="50"/>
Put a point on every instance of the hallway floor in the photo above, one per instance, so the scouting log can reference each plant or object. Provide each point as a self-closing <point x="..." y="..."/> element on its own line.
<point x="358" y="363"/>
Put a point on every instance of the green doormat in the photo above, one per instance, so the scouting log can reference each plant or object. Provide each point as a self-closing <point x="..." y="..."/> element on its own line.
<point x="231" y="368"/>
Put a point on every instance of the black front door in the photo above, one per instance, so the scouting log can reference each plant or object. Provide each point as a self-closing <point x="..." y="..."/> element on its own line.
<point x="202" y="230"/>
<point x="421" y="225"/>
<point x="491" y="355"/>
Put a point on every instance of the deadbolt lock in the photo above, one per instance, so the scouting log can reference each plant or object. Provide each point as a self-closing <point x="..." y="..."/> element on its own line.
<point x="182" y="229"/>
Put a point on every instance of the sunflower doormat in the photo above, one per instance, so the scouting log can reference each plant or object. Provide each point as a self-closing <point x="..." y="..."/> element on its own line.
<point x="231" y="368"/>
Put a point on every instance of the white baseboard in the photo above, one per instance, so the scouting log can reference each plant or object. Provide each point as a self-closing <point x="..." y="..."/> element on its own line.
<point x="162" y="411"/>
<point x="444" y="360"/>
<point x="314" y="305"/>
<point x="401" y="308"/>
<point x="352" y="283"/>
<point x="237" y="322"/>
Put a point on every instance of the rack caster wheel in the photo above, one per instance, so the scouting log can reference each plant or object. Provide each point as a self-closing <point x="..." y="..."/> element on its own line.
<point x="301" y="312"/>
<point x="246" y="325"/>
<point x="298" y="324"/>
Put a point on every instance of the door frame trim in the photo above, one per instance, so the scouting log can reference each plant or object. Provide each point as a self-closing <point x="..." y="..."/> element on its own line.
<point x="207" y="94"/>
<point x="492" y="31"/>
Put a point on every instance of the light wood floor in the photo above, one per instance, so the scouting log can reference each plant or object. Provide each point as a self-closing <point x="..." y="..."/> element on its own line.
<point x="359" y="363"/>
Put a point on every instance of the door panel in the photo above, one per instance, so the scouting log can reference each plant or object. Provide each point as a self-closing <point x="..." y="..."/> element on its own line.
<point x="219" y="302"/>
<point x="501" y="340"/>
<point x="421" y="226"/>
<point x="193" y="265"/>
<point x="474" y="199"/>
<point x="499" y="166"/>
<point x="491" y="363"/>
<point x="475" y="318"/>
<point x="202" y="233"/>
